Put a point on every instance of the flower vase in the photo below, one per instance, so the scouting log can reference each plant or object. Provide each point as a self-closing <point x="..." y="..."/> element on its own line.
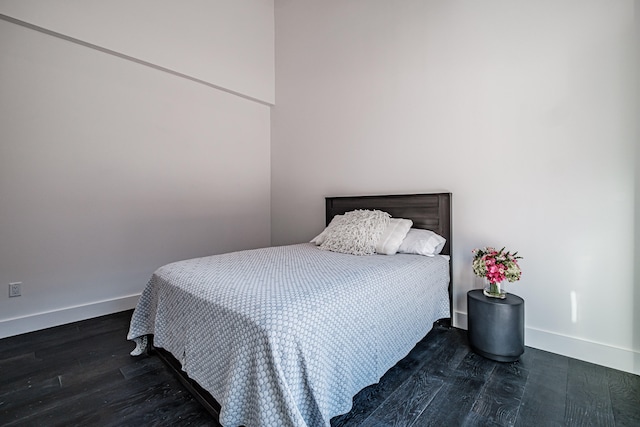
<point x="494" y="290"/>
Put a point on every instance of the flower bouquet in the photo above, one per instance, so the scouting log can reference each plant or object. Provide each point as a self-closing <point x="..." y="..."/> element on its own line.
<point x="496" y="266"/>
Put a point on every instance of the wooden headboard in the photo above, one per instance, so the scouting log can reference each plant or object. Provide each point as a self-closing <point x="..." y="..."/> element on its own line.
<point x="428" y="211"/>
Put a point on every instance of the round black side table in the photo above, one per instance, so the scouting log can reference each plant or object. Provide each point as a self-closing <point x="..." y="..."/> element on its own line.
<point x="495" y="327"/>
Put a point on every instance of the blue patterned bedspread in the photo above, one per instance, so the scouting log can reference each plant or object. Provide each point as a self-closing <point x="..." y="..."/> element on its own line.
<point x="286" y="336"/>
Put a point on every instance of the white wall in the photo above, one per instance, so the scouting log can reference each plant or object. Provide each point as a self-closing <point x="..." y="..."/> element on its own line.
<point x="636" y="289"/>
<point x="227" y="43"/>
<point x="110" y="168"/>
<point x="523" y="110"/>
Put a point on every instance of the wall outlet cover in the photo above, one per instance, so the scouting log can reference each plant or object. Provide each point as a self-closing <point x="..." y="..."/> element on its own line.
<point x="15" y="289"/>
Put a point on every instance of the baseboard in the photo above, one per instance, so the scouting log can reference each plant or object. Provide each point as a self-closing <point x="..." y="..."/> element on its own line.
<point x="622" y="359"/>
<point x="48" y="319"/>
<point x="601" y="354"/>
<point x="460" y="320"/>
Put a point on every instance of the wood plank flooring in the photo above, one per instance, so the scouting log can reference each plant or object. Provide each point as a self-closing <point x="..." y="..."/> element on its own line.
<point x="81" y="374"/>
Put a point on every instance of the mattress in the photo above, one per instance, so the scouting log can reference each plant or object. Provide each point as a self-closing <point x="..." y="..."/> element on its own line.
<point x="286" y="336"/>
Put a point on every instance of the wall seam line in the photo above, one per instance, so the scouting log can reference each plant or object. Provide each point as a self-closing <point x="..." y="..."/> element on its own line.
<point x="128" y="58"/>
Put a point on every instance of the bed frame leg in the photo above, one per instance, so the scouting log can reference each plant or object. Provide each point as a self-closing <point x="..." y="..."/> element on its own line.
<point x="445" y="322"/>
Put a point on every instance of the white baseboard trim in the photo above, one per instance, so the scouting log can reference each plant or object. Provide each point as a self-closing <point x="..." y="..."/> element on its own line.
<point x="48" y="319"/>
<point x="622" y="359"/>
<point x="460" y="320"/>
<point x="601" y="354"/>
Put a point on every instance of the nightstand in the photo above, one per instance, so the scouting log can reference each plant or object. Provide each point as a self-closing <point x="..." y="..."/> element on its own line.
<point x="495" y="327"/>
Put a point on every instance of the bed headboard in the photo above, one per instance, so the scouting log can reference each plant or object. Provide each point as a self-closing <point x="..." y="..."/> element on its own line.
<point x="429" y="211"/>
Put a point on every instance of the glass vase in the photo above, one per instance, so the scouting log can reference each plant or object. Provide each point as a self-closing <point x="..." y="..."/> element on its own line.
<point x="494" y="290"/>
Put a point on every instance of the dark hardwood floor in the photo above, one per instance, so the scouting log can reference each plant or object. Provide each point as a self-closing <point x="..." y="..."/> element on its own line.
<point x="81" y="374"/>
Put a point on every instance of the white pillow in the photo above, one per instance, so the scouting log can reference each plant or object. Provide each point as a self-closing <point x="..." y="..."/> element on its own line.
<point x="357" y="232"/>
<point x="319" y="239"/>
<point x="422" y="242"/>
<point x="393" y="236"/>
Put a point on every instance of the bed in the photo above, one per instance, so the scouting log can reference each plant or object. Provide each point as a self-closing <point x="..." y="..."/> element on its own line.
<point x="286" y="336"/>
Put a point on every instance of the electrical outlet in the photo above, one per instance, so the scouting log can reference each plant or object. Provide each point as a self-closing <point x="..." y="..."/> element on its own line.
<point x="15" y="289"/>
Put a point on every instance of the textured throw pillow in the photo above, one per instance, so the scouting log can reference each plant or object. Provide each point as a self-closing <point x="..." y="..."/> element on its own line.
<point x="357" y="232"/>
<point x="393" y="236"/>
<point x="422" y="242"/>
<point x="319" y="239"/>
